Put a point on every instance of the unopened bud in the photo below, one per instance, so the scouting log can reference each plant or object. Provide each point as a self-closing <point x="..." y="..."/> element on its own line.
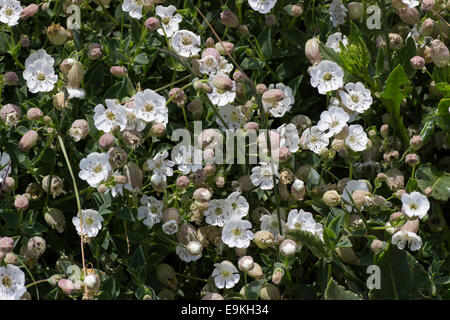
<point x="416" y="142"/>
<point x="355" y="10"/>
<point x="312" y="51"/>
<point x="152" y="23"/>
<point x="224" y="47"/>
<point x="11" y="78"/>
<point x="118" y="71"/>
<point x="297" y="10"/>
<point x="288" y="248"/>
<point x="55" y="219"/>
<point x="229" y="19"/>
<point x="56" y="34"/>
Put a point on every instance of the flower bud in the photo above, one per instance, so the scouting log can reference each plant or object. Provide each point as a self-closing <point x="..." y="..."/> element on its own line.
<point x="10" y="258"/>
<point x="312" y="51"/>
<point x="347" y="255"/>
<point x="416" y="142"/>
<point x="102" y="188"/>
<point x="395" y="41"/>
<point x="56" y="34"/>
<point x="256" y="272"/>
<point x="331" y="198"/>
<point x="166" y="274"/>
<point x="183" y="182"/>
<point x="222" y="82"/>
<point x="21" y="203"/>
<point x="186" y="233"/>
<point x="427" y="5"/>
<point x="376" y="246"/>
<point x="417" y="62"/>
<point x="409" y="15"/>
<point x="412" y="159"/>
<point x="212" y="296"/>
<point x="58" y="101"/>
<point x="395" y="179"/>
<point x="36" y="246"/>
<point x="10" y="114"/>
<point x="29" y="11"/>
<point x="270" y="19"/>
<point x="157" y="130"/>
<point x="243" y="30"/>
<point x="224" y="47"/>
<point x="179" y="97"/>
<point x="118" y="71"/>
<point x="28" y="140"/>
<point x="152" y="23"/>
<point x="133" y="174"/>
<point x="194" y="248"/>
<point x="9" y="183"/>
<point x="273" y="96"/>
<point x="34" y="114"/>
<point x="24" y="41"/>
<point x="229" y="19"/>
<point x="56" y="188"/>
<point x="439" y="54"/>
<point x="263" y="239"/>
<point x="297" y="10"/>
<point x="67" y="286"/>
<point x="288" y="248"/>
<point x="6" y="244"/>
<point x="106" y="140"/>
<point x="269" y="292"/>
<point x="202" y="195"/>
<point x="355" y="10"/>
<point x="11" y="78"/>
<point x="246" y="263"/>
<point x="427" y="27"/>
<point x="117" y="157"/>
<point x="75" y="75"/>
<point x="55" y="219"/>
<point x="261" y="88"/>
<point x="209" y="43"/>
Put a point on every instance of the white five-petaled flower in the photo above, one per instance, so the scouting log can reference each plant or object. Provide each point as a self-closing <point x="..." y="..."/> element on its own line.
<point x="356" y="97"/>
<point x="224" y="66"/>
<point x="208" y="65"/>
<point x="338" y="12"/>
<point x="222" y="97"/>
<point x="232" y="117"/>
<point x="133" y="122"/>
<point x="357" y="138"/>
<point x="262" y="175"/>
<point x="117" y="188"/>
<point x="218" y="212"/>
<point x="415" y="205"/>
<point x="239" y="205"/>
<point x="133" y="7"/>
<point x="12" y="283"/>
<point x="404" y="238"/>
<point x="184" y="254"/>
<point x="335" y="39"/>
<point x="278" y="109"/>
<point x="150" y="106"/>
<point x="289" y="137"/>
<point x="150" y="211"/>
<point x="160" y="165"/>
<point x="302" y="220"/>
<point x="5" y="166"/>
<point x="237" y="233"/>
<point x="327" y="76"/>
<point x="95" y="168"/>
<point x="347" y="193"/>
<point x="10" y="12"/>
<point x="169" y="20"/>
<point x="225" y="275"/>
<point x="262" y="6"/>
<point x="188" y="159"/>
<point x="315" y="139"/>
<point x="269" y="222"/>
<point x="411" y="3"/>
<point x="105" y="119"/>
<point x="186" y="43"/>
<point x="333" y="120"/>
<point x="91" y="223"/>
<point x="39" y="73"/>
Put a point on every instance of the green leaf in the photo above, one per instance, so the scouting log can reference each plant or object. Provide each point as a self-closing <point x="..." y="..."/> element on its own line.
<point x="138" y="258"/>
<point x="335" y="291"/>
<point x="439" y="181"/>
<point x="252" y="64"/>
<point x="444" y="88"/>
<point x="404" y="56"/>
<point x="265" y="41"/>
<point x="253" y="289"/>
<point x="313" y="242"/>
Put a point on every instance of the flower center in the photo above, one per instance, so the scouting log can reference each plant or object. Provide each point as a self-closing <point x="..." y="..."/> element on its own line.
<point x="149" y="107"/>
<point x="218" y="211"/>
<point x="352" y="139"/>
<point x="327" y="76"/>
<point x="89" y="221"/>
<point x="9" y="11"/>
<point x="110" y="115"/>
<point x="334" y="124"/>
<point x="139" y="2"/>
<point x="153" y="209"/>
<point x="98" y="168"/>
<point x="225" y="273"/>
<point x="413" y="206"/>
<point x="186" y="41"/>
<point x="298" y="225"/>
<point x="237" y="232"/>
<point x="41" y="76"/>
<point x="7" y="282"/>
<point x="165" y="20"/>
<point x="313" y="139"/>
<point x="234" y="205"/>
<point x="355" y="98"/>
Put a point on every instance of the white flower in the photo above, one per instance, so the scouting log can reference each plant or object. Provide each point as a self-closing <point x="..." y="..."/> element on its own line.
<point x="114" y="115"/>
<point x="327" y="76"/>
<point x="188" y="159"/>
<point x="232" y="116"/>
<point x="170" y="227"/>
<point x="208" y="65"/>
<point x="404" y="238"/>
<point x="333" y="121"/>
<point x="95" y="168"/>
<point x="335" y="39"/>
<point x="239" y="205"/>
<point x="39" y="72"/>
<point x="262" y="175"/>
<point x="224" y="66"/>
<point x="351" y="187"/>
<point x="42" y="56"/>
<point x="357" y="138"/>
<point x="10" y="12"/>
<point x="186" y="43"/>
<point x="411" y="3"/>
<point x="5" y="166"/>
<point x="289" y="137"/>
<point x="225" y="275"/>
<point x="133" y="122"/>
<point x="12" y="283"/>
<point x="91" y="222"/>
<point x="315" y="139"/>
<point x="262" y="6"/>
<point x="160" y="165"/>
<point x="338" y="12"/>
<point x="169" y="21"/>
<point x="117" y="188"/>
<point x="218" y="212"/>
<point x="221" y="97"/>
<point x="269" y="222"/>
<point x="150" y="106"/>
<point x="278" y="109"/>
<point x="150" y="211"/>
<point x="185" y="256"/>
<point x="356" y="97"/>
<point x="415" y="205"/>
<point x="302" y="220"/>
<point x="75" y="93"/>
<point x="133" y="7"/>
<point x="236" y="233"/>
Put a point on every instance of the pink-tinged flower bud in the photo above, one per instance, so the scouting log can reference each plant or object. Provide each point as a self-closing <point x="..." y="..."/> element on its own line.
<point x="95" y="53"/>
<point x="243" y="30"/>
<point x="117" y="157"/>
<point x="256" y="272"/>
<point x="202" y="195"/>
<point x="439" y="54"/>
<point x="132" y="138"/>
<point x="261" y="88"/>
<point x="229" y="19"/>
<point x="194" y="105"/>
<point x="9" y="183"/>
<point x="417" y="62"/>
<point x="412" y="159"/>
<point x="238" y="76"/>
<point x="10" y="258"/>
<point x="222" y="82"/>
<point x="183" y="182"/>
<point x="10" y="114"/>
<point x="347" y="255"/>
<point x="79" y="130"/>
<point x="395" y="216"/>
<point x="273" y="96"/>
<point x="331" y="198"/>
<point x="416" y="142"/>
<point x="56" y="188"/>
<point x="411" y="226"/>
<point x="34" y="114"/>
<point x="376" y="246"/>
<point x="157" y="130"/>
<point x="28" y="140"/>
<point x="277" y="275"/>
<point x="427" y="27"/>
<point x="106" y="140"/>
<point x="284" y="154"/>
<point x="212" y="296"/>
<point x="211" y="52"/>
<point x="102" y="188"/>
<point x="251" y="126"/>
<point x="152" y="23"/>
<point x="384" y="130"/>
<point x="209" y="42"/>
<point x="312" y="50"/>
<point x="133" y="174"/>
<point x="246" y="263"/>
<point x="288" y="248"/>
<point x="6" y="244"/>
<point x="179" y="97"/>
<point x="11" y="78"/>
<point x="401" y="192"/>
<point x="29" y="11"/>
<point x="220" y="182"/>
<point x="118" y="71"/>
<point x="427" y="5"/>
<point x="206" y="88"/>
<point x="297" y="10"/>
<point x="166" y="274"/>
<point x="355" y="10"/>
<point x="55" y="219"/>
<point x="224" y="47"/>
<point x="210" y="169"/>
<point x="395" y="40"/>
<point x="36" y="246"/>
<point x="270" y="19"/>
<point x="56" y="34"/>
<point x="24" y="41"/>
<point x="59" y="102"/>
<point x="409" y="15"/>
<point x="269" y="291"/>
<point x="186" y="233"/>
<point x="194" y="248"/>
<point x="21" y="202"/>
<point x="67" y="286"/>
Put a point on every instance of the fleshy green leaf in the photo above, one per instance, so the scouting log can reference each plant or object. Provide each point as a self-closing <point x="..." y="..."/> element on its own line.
<point x="429" y="176"/>
<point x="335" y="291"/>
